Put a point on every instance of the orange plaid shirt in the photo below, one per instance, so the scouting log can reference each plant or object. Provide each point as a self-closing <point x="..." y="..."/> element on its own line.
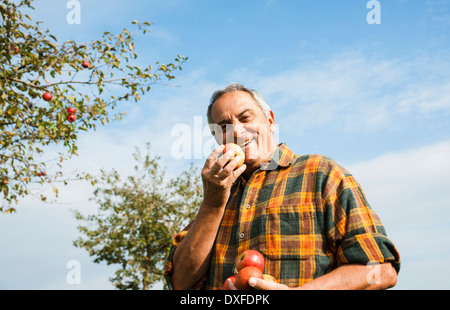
<point x="306" y="214"/>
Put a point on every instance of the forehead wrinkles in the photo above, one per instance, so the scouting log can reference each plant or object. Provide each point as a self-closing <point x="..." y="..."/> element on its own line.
<point x="233" y="105"/>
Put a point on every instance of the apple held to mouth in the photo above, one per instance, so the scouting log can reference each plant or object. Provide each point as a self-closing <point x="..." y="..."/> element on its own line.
<point x="238" y="150"/>
<point x="250" y="258"/>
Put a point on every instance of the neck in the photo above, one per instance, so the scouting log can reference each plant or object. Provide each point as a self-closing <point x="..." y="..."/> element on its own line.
<point x="251" y="168"/>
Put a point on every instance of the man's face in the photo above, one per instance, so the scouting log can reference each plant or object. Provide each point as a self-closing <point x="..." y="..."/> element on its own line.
<point x="243" y="122"/>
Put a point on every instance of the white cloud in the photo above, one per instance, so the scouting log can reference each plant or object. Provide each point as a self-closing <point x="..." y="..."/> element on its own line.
<point x="409" y="191"/>
<point x="355" y="91"/>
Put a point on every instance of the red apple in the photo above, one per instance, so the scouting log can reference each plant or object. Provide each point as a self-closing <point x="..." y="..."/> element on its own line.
<point x="16" y="50"/>
<point x="245" y="274"/>
<point x="47" y="96"/>
<point x="42" y="173"/>
<point x="239" y="151"/>
<point x="225" y="285"/>
<point x="250" y="258"/>
<point x="71" y="110"/>
<point x="71" y="118"/>
<point x="86" y="64"/>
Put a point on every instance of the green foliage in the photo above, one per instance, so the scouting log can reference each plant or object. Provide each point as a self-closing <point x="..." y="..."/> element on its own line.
<point x="137" y="219"/>
<point x="32" y="61"/>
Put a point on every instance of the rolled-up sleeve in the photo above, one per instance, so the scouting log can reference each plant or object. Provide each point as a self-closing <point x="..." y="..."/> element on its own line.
<point x="354" y="230"/>
<point x="168" y="267"/>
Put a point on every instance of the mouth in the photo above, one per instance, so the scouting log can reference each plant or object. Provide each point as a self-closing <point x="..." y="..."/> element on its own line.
<point x="243" y="145"/>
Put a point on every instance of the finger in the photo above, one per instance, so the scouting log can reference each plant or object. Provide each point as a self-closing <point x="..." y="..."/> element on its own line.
<point x="260" y="284"/>
<point x="231" y="285"/>
<point x="223" y="161"/>
<point x="211" y="160"/>
<point x="239" y="171"/>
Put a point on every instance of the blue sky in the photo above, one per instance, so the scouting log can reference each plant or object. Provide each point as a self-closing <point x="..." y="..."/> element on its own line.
<point x="376" y="98"/>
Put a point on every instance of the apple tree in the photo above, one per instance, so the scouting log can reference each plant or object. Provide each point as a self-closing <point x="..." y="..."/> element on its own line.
<point x="50" y="91"/>
<point x="137" y="219"/>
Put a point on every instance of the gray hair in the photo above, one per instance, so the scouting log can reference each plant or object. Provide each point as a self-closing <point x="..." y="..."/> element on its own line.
<point x="236" y="87"/>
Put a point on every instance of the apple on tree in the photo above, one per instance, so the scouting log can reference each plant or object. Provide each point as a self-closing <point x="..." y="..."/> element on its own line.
<point x="85" y="64"/>
<point x="71" y="110"/>
<point x="71" y="118"/>
<point x="47" y="96"/>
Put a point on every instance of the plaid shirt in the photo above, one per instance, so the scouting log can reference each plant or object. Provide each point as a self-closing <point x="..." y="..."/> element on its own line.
<point x="306" y="214"/>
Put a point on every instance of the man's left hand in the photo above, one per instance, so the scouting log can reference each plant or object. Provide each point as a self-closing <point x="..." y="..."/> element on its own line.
<point x="259" y="284"/>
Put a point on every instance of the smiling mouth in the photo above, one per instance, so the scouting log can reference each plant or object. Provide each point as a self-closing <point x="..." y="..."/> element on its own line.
<point x="245" y="143"/>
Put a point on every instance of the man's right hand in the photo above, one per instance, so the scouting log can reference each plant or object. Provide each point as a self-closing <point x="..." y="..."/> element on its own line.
<point x="218" y="175"/>
<point x="192" y="256"/>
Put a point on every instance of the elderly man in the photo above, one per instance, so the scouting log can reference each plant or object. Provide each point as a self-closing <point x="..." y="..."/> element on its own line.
<point x="306" y="214"/>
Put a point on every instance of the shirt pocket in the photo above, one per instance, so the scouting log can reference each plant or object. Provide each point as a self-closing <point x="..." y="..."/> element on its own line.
<point x="287" y="241"/>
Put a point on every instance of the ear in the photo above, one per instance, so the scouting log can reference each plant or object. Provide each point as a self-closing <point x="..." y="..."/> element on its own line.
<point x="271" y="121"/>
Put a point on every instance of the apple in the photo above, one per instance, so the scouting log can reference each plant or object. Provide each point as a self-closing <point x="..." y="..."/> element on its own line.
<point x="86" y="64"/>
<point x="42" y="173"/>
<point x="225" y="285"/>
<point x="71" y="118"/>
<point x="71" y="110"/>
<point x="47" y="96"/>
<point x="239" y="151"/>
<point x="250" y="258"/>
<point x="245" y="274"/>
<point x="268" y="277"/>
<point x="16" y="50"/>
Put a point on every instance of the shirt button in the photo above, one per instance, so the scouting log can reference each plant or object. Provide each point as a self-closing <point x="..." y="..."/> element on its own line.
<point x="241" y="235"/>
<point x="247" y="206"/>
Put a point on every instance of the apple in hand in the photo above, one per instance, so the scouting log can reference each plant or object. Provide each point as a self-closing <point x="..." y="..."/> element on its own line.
<point x="245" y="274"/>
<point x="268" y="277"/>
<point x="250" y="258"/>
<point x="239" y="151"/>
<point x="47" y="96"/>
<point x="225" y="285"/>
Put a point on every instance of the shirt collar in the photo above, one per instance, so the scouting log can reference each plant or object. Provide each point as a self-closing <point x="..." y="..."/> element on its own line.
<point x="281" y="157"/>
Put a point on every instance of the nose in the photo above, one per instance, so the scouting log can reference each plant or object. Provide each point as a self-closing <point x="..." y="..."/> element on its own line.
<point x="238" y="130"/>
<point x="234" y="132"/>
